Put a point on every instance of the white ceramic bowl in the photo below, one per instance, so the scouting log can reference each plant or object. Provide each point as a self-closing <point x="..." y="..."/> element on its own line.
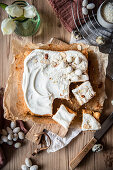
<point x="100" y="18"/>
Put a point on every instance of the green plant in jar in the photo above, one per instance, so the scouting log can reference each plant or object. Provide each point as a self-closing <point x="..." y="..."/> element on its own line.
<point x="23" y="19"/>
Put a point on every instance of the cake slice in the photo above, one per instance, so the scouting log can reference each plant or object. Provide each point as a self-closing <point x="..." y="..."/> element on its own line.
<point x="83" y="93"/>
<point x="95" y="114"/>
<point x="63" y="117"/>
<point x="90" y="120"/>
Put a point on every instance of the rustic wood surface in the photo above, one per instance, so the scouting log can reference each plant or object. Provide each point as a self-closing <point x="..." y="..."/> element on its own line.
<point x="51" y="27"/>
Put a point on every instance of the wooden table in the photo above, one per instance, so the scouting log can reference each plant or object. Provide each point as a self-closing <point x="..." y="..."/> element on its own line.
<point x="60" y="159"/>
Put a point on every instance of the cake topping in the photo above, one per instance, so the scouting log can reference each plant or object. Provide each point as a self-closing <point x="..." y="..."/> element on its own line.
<point x="78" y="72"/>
<point x="84" y="93"/>
<point x="50" y="77"/>
<point x="63" y="117"/>
<point x="107" y="12"/>
<point x="46" y="56"/>
<point x="77" y="60"/>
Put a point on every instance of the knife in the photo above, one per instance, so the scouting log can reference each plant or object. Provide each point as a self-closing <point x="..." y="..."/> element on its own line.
<point x="97" y="136"/>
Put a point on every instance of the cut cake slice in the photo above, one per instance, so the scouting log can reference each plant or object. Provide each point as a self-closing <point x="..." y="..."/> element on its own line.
<point x="90" y="120"/>
<point x="63" y="117"/>
<point x="84" y="93"/>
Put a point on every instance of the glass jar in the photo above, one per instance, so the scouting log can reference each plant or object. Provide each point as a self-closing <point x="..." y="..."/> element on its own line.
<point x="27" y="26"/>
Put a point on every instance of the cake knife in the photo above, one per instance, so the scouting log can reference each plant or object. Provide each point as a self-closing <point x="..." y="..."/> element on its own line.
<point x="97" y="136"/>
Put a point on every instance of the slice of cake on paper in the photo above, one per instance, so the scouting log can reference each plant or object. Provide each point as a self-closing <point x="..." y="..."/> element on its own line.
<point x="89" y="122"/>
<point x="63" y="117"/>
<point x="83" y="93"/>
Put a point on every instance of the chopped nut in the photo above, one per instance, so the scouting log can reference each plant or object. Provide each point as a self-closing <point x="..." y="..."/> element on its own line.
<point x="63" y="54"/>
<point x="46" y="56"/>
<point x="83" y="96"/>
<point x="41" y="61"/>
<point x="35" y="60"/>
<point x="54" y="64"/>
<point x="86" y="126"/>
<point x="100" y="40"/>
<point x="79" y="47"/>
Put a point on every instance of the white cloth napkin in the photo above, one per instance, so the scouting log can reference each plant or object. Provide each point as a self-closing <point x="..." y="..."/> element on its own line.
<point x="58" y="142"/>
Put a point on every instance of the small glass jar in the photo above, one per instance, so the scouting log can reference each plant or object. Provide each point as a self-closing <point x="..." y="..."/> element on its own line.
<point x="28" y="26"/>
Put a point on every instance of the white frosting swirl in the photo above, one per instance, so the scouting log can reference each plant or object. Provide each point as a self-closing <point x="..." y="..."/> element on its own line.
<point x="47" y="75"/>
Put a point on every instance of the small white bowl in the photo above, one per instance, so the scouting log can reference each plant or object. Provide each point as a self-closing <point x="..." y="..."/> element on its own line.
<point x="100" y="18"/>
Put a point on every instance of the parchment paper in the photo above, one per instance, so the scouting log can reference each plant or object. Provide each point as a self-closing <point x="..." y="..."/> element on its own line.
<point x="14" y="104"/>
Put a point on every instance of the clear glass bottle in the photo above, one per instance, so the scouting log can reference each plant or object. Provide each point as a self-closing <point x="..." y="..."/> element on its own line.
<point x="27" y="26"/>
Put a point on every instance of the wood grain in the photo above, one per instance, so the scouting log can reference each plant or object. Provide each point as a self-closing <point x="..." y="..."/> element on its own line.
<point x="74" y="163"/>
<point x="51" y="27"/>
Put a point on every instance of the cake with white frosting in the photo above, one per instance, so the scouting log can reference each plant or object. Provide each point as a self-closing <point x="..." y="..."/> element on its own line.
<point x="48" y="74"/>
<point x="63" y="117"/>
<point x="89" y="122"/>
<point x="84" y="93"/>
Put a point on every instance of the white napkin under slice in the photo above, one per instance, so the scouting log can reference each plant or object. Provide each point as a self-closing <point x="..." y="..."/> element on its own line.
<point x="58" y="142"/>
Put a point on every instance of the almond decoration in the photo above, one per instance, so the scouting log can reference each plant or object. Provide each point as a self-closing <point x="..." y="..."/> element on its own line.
<point x="46" y="56"/>
<point x="79" y="47"/>
<point x="63" y="54"/>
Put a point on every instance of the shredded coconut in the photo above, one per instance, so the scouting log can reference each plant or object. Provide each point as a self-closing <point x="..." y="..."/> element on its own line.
<point x="108" y="12"/>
